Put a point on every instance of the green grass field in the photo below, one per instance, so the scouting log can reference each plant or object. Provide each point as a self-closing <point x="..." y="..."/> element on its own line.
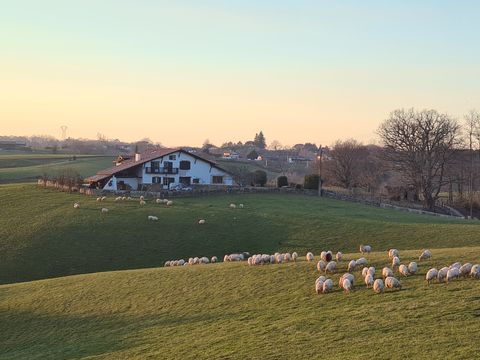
<point x="27" y="167"/>
<point x="226" y="311"/>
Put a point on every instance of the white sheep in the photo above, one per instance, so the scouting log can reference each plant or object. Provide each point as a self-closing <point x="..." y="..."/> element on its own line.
<point x="321" y="265"/>
<point x="124" y="198"/>
<point x="152" y="218"/>
<point x="99" y="199"/>
<point x="240" y="206"/>
<point x="412" y="267"/>
<point x="294" y="256"/>
<point x="169" y="203"/>
<point x="118" y="198"/>
<point x="339" y="256"/>
<point x="319" y="287"/>
<point x="204" y="260"/>
<point x="475" y="271"/>
<point x="378" y="286"/>
<point x="159" y="201"/>
<point x="232" y="206"/>
<point x="364" y="271"/>
<point x="320" y="278"/>
<point x="214" y="259"/>
<point x="392" y="253"/>
<point x="387" y="272"/>
<point x="365" y="249"/>
<point x="225" y="258"/>
<point x="371" y="271"/>
<point x="287" y="256"/>
<point x="455" y="265"/>
<point x="395" y="261"/>
<point x="452" y="273"/>
<point x="465" y="269"/>
<point x="181" y="262"/>
<point x="104" y="210"/>
<point x="103" y="198"/>
<point x="327" y="286"/>
<point x="442" y="274"/>
<point x="323" y="256"/>
<point x="201" y="222"/>
<point x="76" y="205"/>
<point x="331" y="267"/>
<point x="392" y="283"/>
<point x="369" y="280"/>
<point x="310" y="256"/>
<point x="142" y="198"/>
<point x="190" y="261"/>
<point x="351" y="265"/>
<point x="425" y="255"/>
<point x="403" y="269"/>
<point x="167" y="263"/>
<point x="142" y="202"/>
<point x="361" y="262"/>
<point x="346" y="276"/>
<point x="347" y="285"/>
<point x="431" y="275"/>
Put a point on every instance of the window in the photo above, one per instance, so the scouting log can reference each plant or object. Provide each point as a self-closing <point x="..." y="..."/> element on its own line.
<point x="168" y="180"/>
<point x="172" y="157"/>
<point x="196" y="181"/>
<point x="155" y="165"/>
<point x="185" y="180"/>
<point x="156" y="180"/>
<point x="184" y="165"/>
<point x="217" y="179"/>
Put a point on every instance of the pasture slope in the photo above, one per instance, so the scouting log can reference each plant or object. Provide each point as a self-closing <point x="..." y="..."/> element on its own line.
<point x="225" y="310"/>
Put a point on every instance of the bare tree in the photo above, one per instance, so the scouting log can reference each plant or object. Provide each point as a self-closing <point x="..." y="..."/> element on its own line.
<point x="347" y="158"/>
<point x="419" y="145"/>
<point x="472" y="125"/>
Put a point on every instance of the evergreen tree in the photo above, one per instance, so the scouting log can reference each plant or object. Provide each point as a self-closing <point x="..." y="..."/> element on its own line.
<point x="260" y="141"/>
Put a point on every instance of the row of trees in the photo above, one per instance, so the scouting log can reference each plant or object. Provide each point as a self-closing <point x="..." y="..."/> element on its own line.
<point x="428" y="151"/>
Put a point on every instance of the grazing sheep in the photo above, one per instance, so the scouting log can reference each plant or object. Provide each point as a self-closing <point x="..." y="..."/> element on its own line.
<point x="294" y="256"/>
<point x="442" y="274"/>
<point x="201" y="222"/>
<point x="369" y="280"/>
<point x="475" y="271"/>
<point x="309" y="256"/>
<point x="118" y="198"/>
<point x="104" y="210"/>
<point x="412" y="267"/>
<point x="364" y="271"/>
<point x="329" y="256"/>
<point x="320" y="279"/>
<point x="371" y="271"/>
<point x="327" y="286"/>
<point x="287" y="257"/>
<point x="76" y="205"/>
<point x="152" y="218"/>
<point x="425" y="255"/>
<point x="465" y="269"/>
<point x="319" y="287"/>
<point x="452" y="273"/>
<point x="321" y="265"/>
<point x="142" y="198"/>
<point x="351" y="265"/>
<point x="233" y="206"/>
<point x="167" y="263"/>
<point x="392" y="283"/>
<point x="103" y="198"/>
<point x="339" y="256"/>
<point x="142" y="202"/>
<point x="214" y="259"/>
<point x="378" y="286"/>
<point x="347" y="285"/>
<point x="395" y="261"/>
<point x="362" y="261"/>
<point x="387" y="272"/>
<point x="240" y="206"/>
<point x="169" y="203"/>
<point x="455" y="265"/>
<point x="323" y="256"/>
<point x="392" y="253"/>
<point x="365" y="249"/>
<point x="181" y="262"/>
<point x="331" y="267"/>
<point x="225" y="258"/>
<point x="159" y="201"/>
<point x="204" y="260"/>
<point x="431" y="275"/>
<point x="124" y="198"/>
<point x="99" y="199"/>
<point x="403" y="269"/>
<point x="346" y="276"/>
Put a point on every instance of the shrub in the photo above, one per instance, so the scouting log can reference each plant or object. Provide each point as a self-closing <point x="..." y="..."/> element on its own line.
<point x="260" y="177"/>
<point x="282" y="181"/>
<point x="311" y="182"/>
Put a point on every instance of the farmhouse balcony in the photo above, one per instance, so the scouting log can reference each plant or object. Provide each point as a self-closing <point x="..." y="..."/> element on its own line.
<point x="162" y="170"/>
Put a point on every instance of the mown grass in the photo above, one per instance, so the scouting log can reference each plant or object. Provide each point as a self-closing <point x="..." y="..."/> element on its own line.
<point x="15" y="168"/>
<point x="42" y="236"/>
<point x="233" y="311"/>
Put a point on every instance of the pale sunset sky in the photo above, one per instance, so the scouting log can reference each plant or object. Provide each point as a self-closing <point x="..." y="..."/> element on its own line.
<point x="180" y="72"/>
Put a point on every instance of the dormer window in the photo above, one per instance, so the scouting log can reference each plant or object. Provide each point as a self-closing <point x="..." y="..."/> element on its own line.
<point x="172" y="157"/>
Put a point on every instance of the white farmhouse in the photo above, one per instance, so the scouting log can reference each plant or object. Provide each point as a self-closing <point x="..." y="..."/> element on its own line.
<point x="161" y="169"/>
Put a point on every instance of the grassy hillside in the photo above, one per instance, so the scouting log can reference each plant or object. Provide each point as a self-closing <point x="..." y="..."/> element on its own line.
<point x="27" y="167"/>
<point x="42" y="236"/>
<point x="232" y="311"/>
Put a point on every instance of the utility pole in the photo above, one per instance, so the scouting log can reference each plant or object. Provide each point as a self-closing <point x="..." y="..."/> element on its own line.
<point x="320" y="181"/>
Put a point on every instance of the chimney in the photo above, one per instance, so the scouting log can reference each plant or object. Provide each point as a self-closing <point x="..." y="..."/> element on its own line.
<point x="138" y="156"/>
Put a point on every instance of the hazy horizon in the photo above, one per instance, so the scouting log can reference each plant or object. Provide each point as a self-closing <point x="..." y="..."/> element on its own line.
<point x="183" y="72"/>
